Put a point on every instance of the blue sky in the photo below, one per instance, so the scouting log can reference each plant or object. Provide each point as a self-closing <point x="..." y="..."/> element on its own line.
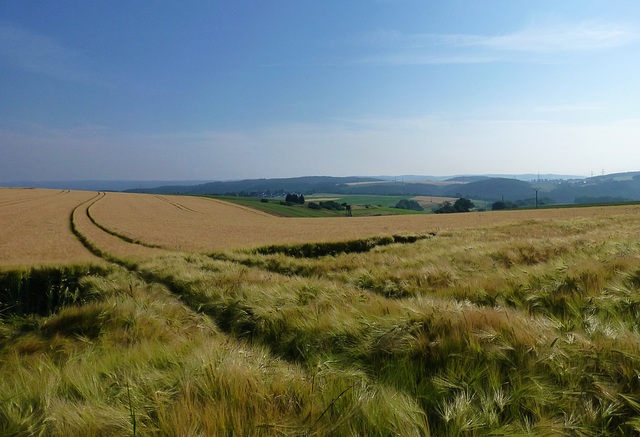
<point x="249" y="89"/>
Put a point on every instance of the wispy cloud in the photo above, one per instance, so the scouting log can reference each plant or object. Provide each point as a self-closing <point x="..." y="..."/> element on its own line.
<point x="427" y="59"/>
<point x="586" y="36"/>
<point x="29" y="51"/>
<point x="428" y="48"/>
<point x="564" y="108"/>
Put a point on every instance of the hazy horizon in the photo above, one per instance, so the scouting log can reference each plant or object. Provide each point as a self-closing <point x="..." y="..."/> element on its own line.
<point x="228" y="91"/>
<point x="399" y="177"/>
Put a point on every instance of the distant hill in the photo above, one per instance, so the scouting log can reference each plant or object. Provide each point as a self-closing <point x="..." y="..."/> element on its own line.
<point x="592" y="190"/>
<point x="393" y="189"/>
<point x="492" y="190"/>
<point x="481" y="187"/>
<point x="467" y="179"/>
<point x="303" y="183"/>
<point x="532" y="177"/>
<point x="598" y="189"/>
<point x="527" y="177"/>
<point x="411" y="178"/>
<point x="261" y="187"/>
<point x="96" y="185"/>
<point x="628" y="176"/>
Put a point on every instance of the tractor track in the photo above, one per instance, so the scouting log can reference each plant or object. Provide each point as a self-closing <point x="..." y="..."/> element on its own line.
<point x="30" y="199"/>
<point x="122" y="237"/>
<point x="178" y="205"/>
<point x="118" y="243"/>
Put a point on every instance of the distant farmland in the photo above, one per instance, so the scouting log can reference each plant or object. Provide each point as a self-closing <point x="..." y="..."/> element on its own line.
<point x="430" y="201"/>
<point x="145" y="315"/>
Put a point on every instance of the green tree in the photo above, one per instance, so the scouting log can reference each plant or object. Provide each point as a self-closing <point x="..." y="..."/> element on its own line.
<point x="446" y="208"/>
<point x="331" y="205"/>
<point x="294" y="198"/>
<point x="498" y="206"/>
<point x="463" y="205"/>
<point x="460" y="205"/>
<point x="409" y="204"/>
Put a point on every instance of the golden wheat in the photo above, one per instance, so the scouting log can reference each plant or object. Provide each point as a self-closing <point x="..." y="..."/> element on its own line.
<point x="104" y="243"/>
<point x="35" y="227"/>
<point x="203" y="224"/>
<point x="526" y="324"/>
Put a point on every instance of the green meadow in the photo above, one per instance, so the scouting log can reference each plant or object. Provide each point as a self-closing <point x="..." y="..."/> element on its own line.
<point x="528" y="328"/>
<point x="362" y="205"/>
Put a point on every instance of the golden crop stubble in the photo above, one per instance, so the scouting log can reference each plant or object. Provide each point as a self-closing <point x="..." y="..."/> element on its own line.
<point x="35" y="227"/>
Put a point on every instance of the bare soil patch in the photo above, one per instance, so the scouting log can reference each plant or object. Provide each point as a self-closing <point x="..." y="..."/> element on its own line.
<point x="429" y="201"/>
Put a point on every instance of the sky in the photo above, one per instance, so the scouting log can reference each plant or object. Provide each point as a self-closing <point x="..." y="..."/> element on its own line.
<point x="220" y="90"/>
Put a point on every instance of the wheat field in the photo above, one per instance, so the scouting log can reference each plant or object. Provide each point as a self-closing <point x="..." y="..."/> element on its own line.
<point x="127" y="314"/>
<point x="52" y="227"/>
<point x="35" y="227"/>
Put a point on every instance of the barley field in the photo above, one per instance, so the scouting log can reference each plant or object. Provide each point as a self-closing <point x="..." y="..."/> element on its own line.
<point x="51" y="227"/>
<point x="190" y="316"/>
<point x="35" y="227"/>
